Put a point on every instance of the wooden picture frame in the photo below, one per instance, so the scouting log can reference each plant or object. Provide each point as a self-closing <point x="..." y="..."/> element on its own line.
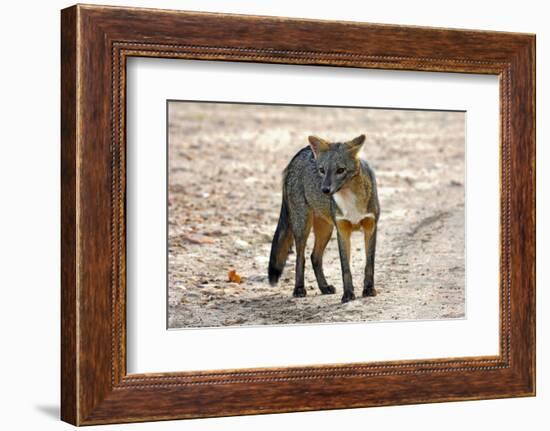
<point x="96" y="41"/>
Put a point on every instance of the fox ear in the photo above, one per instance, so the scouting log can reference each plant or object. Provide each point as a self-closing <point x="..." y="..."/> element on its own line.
<point x="355" y="145"/>
<point x="318" y="145"/>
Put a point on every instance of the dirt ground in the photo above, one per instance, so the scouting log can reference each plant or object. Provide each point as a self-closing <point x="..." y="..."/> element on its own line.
<point x="225" y="164"/>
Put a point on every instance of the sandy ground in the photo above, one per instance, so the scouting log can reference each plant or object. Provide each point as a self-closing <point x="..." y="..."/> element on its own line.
<point x="225" y="164"/>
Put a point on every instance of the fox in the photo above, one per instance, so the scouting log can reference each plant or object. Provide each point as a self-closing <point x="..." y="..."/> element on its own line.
<point x="326" y="185"/>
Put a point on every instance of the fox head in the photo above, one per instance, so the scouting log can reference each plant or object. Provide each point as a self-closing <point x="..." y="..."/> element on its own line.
<point x="337" y="162"/>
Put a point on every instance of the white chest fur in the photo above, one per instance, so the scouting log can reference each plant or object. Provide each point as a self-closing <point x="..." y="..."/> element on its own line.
<point x="349" y="207"/>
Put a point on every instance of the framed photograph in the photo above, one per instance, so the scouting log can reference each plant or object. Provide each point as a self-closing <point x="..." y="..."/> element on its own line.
<point x="263" y="214"/>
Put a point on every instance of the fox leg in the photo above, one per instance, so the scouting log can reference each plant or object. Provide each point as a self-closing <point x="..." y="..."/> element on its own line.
<point x="301" y="226"/>
<point x="344" y="229"/>
<point x="369" y="231"/>
<point x="323" y="231"/>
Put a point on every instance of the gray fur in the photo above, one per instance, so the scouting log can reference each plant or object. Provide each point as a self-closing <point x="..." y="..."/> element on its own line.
<point x="329" y="167"/>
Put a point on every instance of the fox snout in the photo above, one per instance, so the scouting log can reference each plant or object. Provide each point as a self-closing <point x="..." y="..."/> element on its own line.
<point x="327" y="186"/>
<point x="328" y="190"/>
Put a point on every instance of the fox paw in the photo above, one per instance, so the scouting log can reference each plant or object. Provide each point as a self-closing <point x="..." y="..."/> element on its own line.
<point x="348" y="296"/>
<point x="299" y="292"/>
<point x="369" y="291"/>
<point x="328" y="290"/>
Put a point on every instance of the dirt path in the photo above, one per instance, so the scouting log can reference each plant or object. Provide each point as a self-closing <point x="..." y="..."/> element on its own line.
<point x="225" y="164"/>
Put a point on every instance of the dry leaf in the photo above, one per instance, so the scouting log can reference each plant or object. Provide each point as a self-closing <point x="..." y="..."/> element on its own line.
<point x="195" y="238"/>
<point x="233" y="276"/>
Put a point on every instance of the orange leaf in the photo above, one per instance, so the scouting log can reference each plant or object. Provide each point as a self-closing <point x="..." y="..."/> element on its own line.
<point x="234" y="277"/>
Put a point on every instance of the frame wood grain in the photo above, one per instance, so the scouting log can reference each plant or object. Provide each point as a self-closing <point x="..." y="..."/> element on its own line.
<point x="96" y="42"/>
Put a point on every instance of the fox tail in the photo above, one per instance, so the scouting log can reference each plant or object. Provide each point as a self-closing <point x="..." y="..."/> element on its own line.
<point x="281" y="244"/>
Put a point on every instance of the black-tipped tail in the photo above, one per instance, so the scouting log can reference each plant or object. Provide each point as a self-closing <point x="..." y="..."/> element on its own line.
<point x="280" y="246"/>
<point x="274" y="275"/>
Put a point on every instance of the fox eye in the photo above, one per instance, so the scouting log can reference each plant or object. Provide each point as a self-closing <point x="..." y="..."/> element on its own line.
<point x="340" y="170"/>
<point x="322" y="170"/>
